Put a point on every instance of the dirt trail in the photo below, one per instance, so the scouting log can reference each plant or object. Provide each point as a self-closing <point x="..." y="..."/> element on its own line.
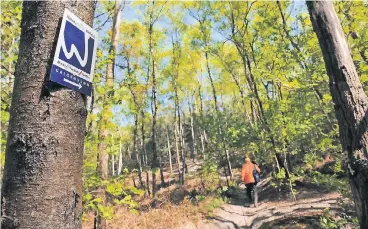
<point x="231" y="216"/>
<point x="272" y="207"/>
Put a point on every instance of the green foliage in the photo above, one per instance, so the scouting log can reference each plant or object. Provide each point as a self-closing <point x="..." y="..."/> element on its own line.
<point x="106" y="212"/>
<point x="116" y="188"/>
<point x="281" y="175"/>
<point x="310" y="160"/>
<point x="327" y="221"/>
<point x="209" y="175"/>
<point x="332" y="182"/>
<point x="213" y="204"/>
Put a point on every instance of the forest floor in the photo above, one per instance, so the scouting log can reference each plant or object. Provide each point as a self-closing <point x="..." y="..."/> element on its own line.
<point x="276" y="207"/>
<point x="273" y="212"/>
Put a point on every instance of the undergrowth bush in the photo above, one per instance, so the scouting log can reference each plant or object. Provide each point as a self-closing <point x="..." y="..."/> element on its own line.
<point x="328" y="221"/>
<point x="117" y="193"/>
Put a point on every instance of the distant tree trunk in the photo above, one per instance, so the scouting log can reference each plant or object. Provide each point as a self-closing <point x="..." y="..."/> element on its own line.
<point x="113" y="165"/>
<point x="147" y="183"/>
<point x="129" y="153"/>
<point x="162" y="172"/>
<point x="120" y="166"/>
<point x="178" y="153"/>
<point x="143" y="145"/>
<point x="42" y="183"/>
<point x="135" y="151"/>
<point x="135" y="133"/>
<point x="242" y="99"/>
<point x="211" y="81"/>
<point x="102" y="167"/>
<point x="200" y="98"/>
<point x="183" y="156"/>
<point x="182" y="151"/>
<point x="178" y="133"/>
<point x="103" y="157"/>
<point x="144" y="151"/>
<point x="202" y="144"/>
<point x="202" y="133"/>
<point x="205" y="136"/>
<point x="135" y="185"/>
<point x="155" y="163"/>
<point x="169" y="149"/>
<point x="194" y="145"/>
<point x="139" y="171"/>
<point x="351" y="102"/>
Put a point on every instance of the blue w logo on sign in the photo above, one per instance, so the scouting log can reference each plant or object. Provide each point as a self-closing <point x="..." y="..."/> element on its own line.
<point x="74" y="59"/>
<point x="77" y="48"/>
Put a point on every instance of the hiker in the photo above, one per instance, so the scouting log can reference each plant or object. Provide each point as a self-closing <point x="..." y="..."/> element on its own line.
<point x="248" y="174"/>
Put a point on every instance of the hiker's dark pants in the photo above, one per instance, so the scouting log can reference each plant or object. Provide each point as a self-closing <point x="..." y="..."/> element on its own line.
<point x="252" y="187"/>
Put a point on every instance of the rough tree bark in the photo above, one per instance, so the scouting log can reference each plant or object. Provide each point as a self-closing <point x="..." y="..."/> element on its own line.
<point x="351" y="102"/>
<point x="42" y="185"/>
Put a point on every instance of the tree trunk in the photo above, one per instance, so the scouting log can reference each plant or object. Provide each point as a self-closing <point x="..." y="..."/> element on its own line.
<point x="178" y="133"/>
<point x="143" y="145"/>
<point x="135" y="133"/>
<point x="155" y="163"/>
<point x="162" y="172"/>
<point x="42" y="184"/>
<point x="182" y="151"/>
<point x="147" y="184"/>
<point x="103" y="157"/>
<point x="177" y="153"/>
<point x="202" y="144"/>
<point x="102" y="167"/>
<point x="211" y="81"/>
<point x="120" y="166"/>
<point x="351" y="102"/>
<point x="194" y="145"/>
<point x="139" y="171"/>
<point x="183" y="156"/>
<point x="169" y="148"/>
<point x="113" y="165"/>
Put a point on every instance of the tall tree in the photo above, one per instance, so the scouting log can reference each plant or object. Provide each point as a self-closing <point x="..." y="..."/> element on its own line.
<point x="154" y="13"/>
<point x="44" y="152"/>
<point x="351" y="102"/>
<point x="103" y="157"/>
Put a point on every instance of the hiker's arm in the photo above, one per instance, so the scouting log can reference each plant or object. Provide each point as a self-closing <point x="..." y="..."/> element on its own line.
<point x="257" y="168"/>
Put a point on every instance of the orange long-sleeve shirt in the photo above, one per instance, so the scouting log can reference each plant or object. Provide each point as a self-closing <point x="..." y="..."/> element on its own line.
<point x="247" y="172"/>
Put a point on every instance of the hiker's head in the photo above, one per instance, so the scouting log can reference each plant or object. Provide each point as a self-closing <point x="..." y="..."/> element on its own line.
<point x="247" y="159"/>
